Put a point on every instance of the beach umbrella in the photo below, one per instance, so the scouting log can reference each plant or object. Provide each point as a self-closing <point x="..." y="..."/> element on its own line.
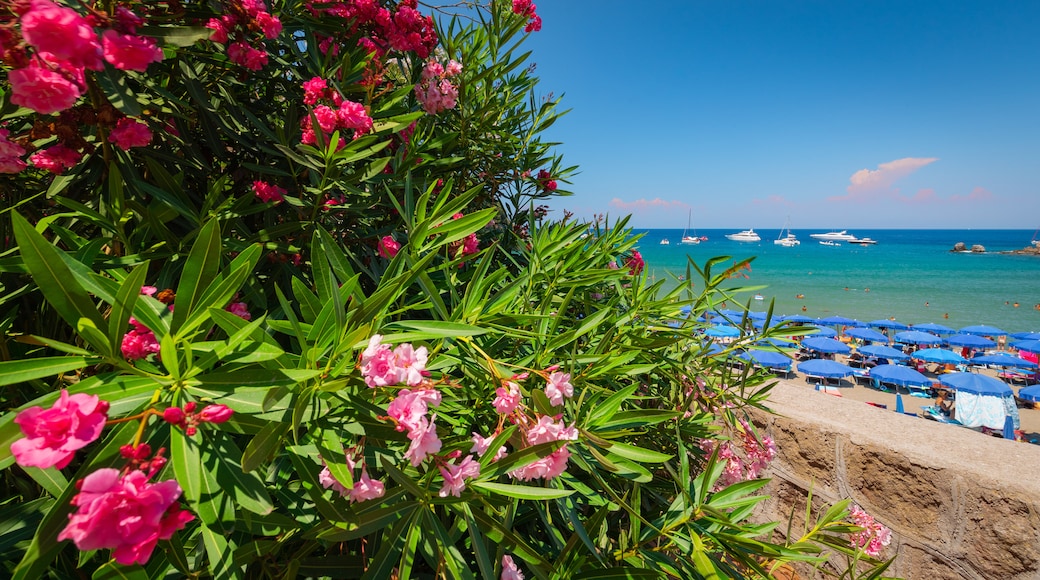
<point x="934" y="328"/>
<point x="917" y="337"/>
<point x="983" y="330"/>
<point x="1027" y="345"/>
<point x="797" y="319"/>
<point x="975" y="383"/>
<point x="899" y="375"/>
<point x="1001" y="359"/>
<point x="939" y="355"/>
<point x="1025" y="335"/>
<point x="767" y="358"/>
<point x="723" y="331"/>
<point x="686" y="310"/>
<point x="840" y="321"/>
<point x="899" y="403"/>
<point x="827" y="369"/>
<point x="1030" y="393"/>
<point x="821" y="331"/>
<point x="1009" y="428"/>
<point x="827" y="345"/>
<point x="886" y="323"/>
<point x="777" y="342"/>
<point x="882" y="351"/>
<point x="756" y="315"/>
<point x="970" y="341"/>
<point x="867" y="334"/>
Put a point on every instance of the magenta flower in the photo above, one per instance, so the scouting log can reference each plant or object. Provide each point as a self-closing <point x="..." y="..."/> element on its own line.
<point x="313" y="90"/>
<point x="129" y="133"/>
<point x="635" y="263"/>
<point x="455" y="476"/>
<point x="510" y="570"/>
<point x="388" y="247"/>
<point x="56" y="159"/>
<point x="270" y="25"/>
<point x="239" y="309"/>
<point x="139" y="342"/>
<point x="215" y="414"/>
<point x="62" y="34"/>
<point x="125" y="514"/>
<point x="10" y="154"/>
<point x="52" y="436"/>
<point x="353" y="115"/>
<point x="42" y="90"/>
<point x="129" y="52"/>
<point x="268" y="193"/>
<point x="242" y="54"/>
<point x="558" y="387"/>
<point x="507" y="397"/>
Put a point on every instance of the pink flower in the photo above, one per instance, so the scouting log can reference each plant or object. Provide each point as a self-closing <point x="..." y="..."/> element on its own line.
<point x="61" y="33"/>
<point x="139" y="342"/>
<point x="410" y="364"/>
<point x="56" y="159"/>
<point x="409" y="409"/>
<point x="125" y="514"/>
<point x="239" y="309"/>
<point x="130" y="132"/>
<point x="313" y="90"/>
<point x="353" y="115"/>
<point x="327" y="480"/>
<point x="42" y="90"/>
<point x="242" y="54"/>
<point x="547" y="430"/>
<point x="382" y="367"/>
<point x="366" y="488"/>
<point x="130" y="52"/>
<point x="424" y="442"/>
<point x="453" y="68"/>
<point x="534" y="24"/>
<point x="454" y="476"/>
<point x="480" y="446"/>
<point x="10" y="154"/>
<point x="220" y="31"/>
<point x="635" y="263"/>
<point x="326" y="117"/>
<point x="507" y="397"/>
<point x="215" y="414"/>
<point x="509" y="569"/>
<point x="388" y="247"/>
<point x="270" y="25"/>
<point x="558" y="387"/>
<point x="874" y="536"/>
<point x="470" y="245"/>
<point x="267" y="193"/>
<point x="52" y="436"/>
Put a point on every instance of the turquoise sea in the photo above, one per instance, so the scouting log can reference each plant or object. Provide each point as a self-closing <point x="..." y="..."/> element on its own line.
<point x="909" y="274"/>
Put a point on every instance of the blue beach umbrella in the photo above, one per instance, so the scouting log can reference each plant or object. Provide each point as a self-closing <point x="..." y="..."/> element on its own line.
<point x="1025" y="335"/>
<point x="939" y="355"/>
<point x="827" y="369"/>
<point x="970" y="341"/>
<point x="1002" y="359"/>
<point x="1027" y="345"/>
<point x="756" y="315"/>
<point x="882" y="351"/>
<point x="867" y="334"/>
<point x="1030" y="393"/>
<point x="840" y="321"/>
<point x="983" y="330"/>
<point x="821" y="331"/>
<point x="777" y="342"/>
<point x="797" y="319"/>
<point x="934" y="328"/>
<point x="886" y="323"/>
<point x="767" y="358"/>
<point x="723" y="331"/>
<point x="975" y="383"/>
<point x="1009" y="428"/>
<point x="917" y="337"/>
<point x="827" y="345"/>
<point x="899" y="375"/>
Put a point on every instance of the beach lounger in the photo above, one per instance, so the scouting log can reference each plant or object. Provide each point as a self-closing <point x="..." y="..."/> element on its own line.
<point x="932" y="412"/>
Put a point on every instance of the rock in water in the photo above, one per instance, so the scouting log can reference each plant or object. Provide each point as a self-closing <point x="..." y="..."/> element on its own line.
<point x="959" y="247"/>
<point x="978" y="249"/>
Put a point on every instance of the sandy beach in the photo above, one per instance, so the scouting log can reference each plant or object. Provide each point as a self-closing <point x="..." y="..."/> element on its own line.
<point x="849" y="389"/>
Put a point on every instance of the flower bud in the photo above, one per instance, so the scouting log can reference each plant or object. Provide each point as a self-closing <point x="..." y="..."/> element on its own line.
<point x="215" y="414"/>
<point x="189" y="407"/>
<point x="174" y="415"/>
<point x="142" y="451"/>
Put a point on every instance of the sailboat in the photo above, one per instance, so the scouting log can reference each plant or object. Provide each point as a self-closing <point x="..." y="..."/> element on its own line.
<point x="686" y="237"/>
<point x="790" y="239"/>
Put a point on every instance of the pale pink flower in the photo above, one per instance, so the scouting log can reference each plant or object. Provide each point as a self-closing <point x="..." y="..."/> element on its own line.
<point x="453" y="68"/>
<point x="409" y="409"/>
<point x="327" y="480"/>
<point x="366" y="488"/>
<point x="455" y="476"/>
<point x="42" y="90"/>
<point x="62" y="33"/>
<point x="388" y="247"/>
<point x="510" y="570"/>
<point x="56" y="159"/>
<point x="544" y="431"/>
<point x="382" y="367"/>
<point x="267" y="192"/>
<point x="558" y="387"/>
<point x="480" y="446"/>
<point x="507" y="397"/>
<point x="547" y="430"/>
<point x="424" y="442"/>
<point x="125" y="514"/>
<point x="52" y="436"/>
<point x="410" y="364"/>
<point x="129" y="133"/>
<point x="874" y="536"/>
<point x="130" y="52"/>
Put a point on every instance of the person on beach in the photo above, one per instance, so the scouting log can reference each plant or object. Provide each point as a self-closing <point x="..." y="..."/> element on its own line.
<point x="945" y="405"/>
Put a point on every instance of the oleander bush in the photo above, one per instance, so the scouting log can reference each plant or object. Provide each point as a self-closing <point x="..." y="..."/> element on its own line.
<point x="280" y="298"/>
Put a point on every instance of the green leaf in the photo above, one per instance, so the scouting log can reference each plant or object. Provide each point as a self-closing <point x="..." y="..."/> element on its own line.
<point x="113" y="84"/>
<point x="263" y="445"/>
<point x="636" y="453"/>
<point x="18" y="371"/>
<point x="112" y="571"/>
<point x="53" y="277"/>
<point x="426" y="329"/>
<point x="370" y="522"/>
<point x="521" y="491"/>
<point x="179" y="36"/>
<point x="621" y="573"/>
<point x="247" y="488"/>
<point x="200" y="270"/>
<point x="124" y="304"/>
<point x="50" y="479"/>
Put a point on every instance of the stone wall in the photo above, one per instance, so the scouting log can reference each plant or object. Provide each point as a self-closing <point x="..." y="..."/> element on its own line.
<point x="960" y="504"/>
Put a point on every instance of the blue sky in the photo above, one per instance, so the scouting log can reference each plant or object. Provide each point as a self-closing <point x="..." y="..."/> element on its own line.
<point x="839" y="114"/>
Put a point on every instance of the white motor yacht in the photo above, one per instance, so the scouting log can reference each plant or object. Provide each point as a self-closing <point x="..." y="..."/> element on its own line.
<point x="862" y="241"/>
<point x="744" y="236"/>
<point x="842" y="236"/>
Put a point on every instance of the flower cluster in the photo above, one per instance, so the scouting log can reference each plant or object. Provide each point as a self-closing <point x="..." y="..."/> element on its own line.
<point x="383" y="367"/>
<point x="874" y="536"/>
<point x="467" y="246"/>
<point x="527" y="8"/>
<point x="744" y="459"/>
<point x="268" y="193"/>
<point x="547" y="430"/>
<point x="130" y="133"/>
<point x="546" y="181"/>
<point x="60" y="45"/>
<point x="237" y="27"/>
<point x="140" y="341"/>
<point x="405" y="30"/>
<point x="10" y="154"/>
<point x="635" y="263"/>
<point x="363" y="489"/>
<point x="56" y="158"/>
<point x="434" y="91"/>
<point x="52" y="436"/>
<point x="540" y="429"/>
<point x="408" y="411"/>
<point x="189" y="419"/>
<point x="341" y="115"/>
